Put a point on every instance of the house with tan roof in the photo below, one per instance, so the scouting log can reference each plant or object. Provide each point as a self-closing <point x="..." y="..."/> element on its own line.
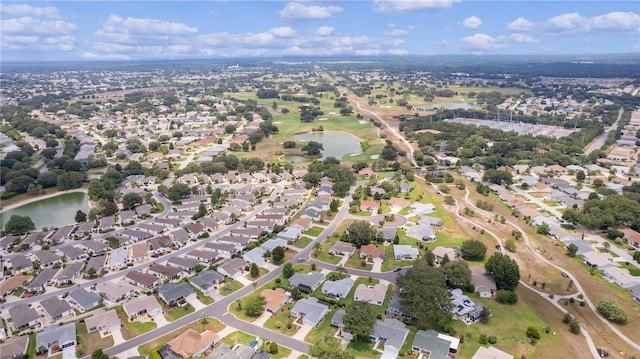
<point x="370" y="251"/>
<point x="104" y="321"/>
<point x="191" y="343"/>
<point x="304" y="224"/>
<point x="342" y="248"/>
<point x="274" y="299"/>
<point x="146" y="304"/>
<point x="398" y="203"/>
<point x="372" y="294"/>
<point x="369" y="206"/>
<point x="632" y="237"/>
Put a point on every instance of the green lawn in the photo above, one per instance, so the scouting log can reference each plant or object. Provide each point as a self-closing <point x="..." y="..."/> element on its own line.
<point x="31" y="347"/>
<point x="238" y="336"/>
<point x="238" y="311"/>
<point x="324" y="255"/>
<point x="91" y="341"/>
<point x="323" y="329"/>
<point x="135" y="328"/>
<point x="229" y="286"/>
<point x="175" y="313"/>
<point x="281" y="319"/>
<point x="205" y="299"/>
<point x="354" y="262"/>
<point x="314" y="231"/>
<point x="302" y="242"/>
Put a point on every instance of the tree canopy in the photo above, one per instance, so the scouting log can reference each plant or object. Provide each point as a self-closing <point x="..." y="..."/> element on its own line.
<point x="425" y="293"/>
<point x="329" y="348"/>
<point x="359" y="319"/>
<point x="504" y="270"/>
<point x="360" y="233"/>
<point x="473" y="250"/>
<point x="19" y="225"/>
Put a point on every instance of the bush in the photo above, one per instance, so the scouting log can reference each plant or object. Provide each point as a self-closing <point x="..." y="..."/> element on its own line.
<point x="611" y="311"/>
<point x="574" y="327"/>
<point x="492" y="339"/>
<point x="533" y="333"/>
<point x="583" y="303"/>
<point x="483" y="339"/>
<point x="506" y="297"/>
<point x="273" y="348"/>
<point x="567" y="318"/>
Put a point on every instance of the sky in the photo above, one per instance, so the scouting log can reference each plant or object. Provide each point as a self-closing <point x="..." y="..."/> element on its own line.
<point x="141" y="30"/>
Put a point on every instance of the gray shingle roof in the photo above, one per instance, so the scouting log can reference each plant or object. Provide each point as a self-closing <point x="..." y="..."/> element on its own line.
<point x="311" y="279"/>
<point x="172" y="292"/>
<point x="85" y="299"/>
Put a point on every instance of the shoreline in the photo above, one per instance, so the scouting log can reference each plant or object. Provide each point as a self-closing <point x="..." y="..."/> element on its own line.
<point x="50" y="195"/>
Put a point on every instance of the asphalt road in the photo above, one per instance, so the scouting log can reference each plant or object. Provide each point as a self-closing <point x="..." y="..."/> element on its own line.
<point x="599" y="141"/>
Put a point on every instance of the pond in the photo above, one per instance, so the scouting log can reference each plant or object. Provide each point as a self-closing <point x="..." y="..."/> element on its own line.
<point x="446" y="106"/>
<point x="336" y="143"/>
<point x="292" y="158"/>
<point x="55" y="211"/>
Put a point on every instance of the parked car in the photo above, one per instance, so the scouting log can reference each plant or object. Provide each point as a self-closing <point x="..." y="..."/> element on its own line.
<point x="564" y="274"/>
<point x="397" y="269"/>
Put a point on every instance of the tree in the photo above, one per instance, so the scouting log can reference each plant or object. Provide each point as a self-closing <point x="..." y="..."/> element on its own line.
<point x="130" y="200"/>
<point x="113" y="242"/>
<point x="361" y="233"/>
<point x="253" y="306"/>
<point x="498" y="177"/>
<point x="19" y="225"/>
<point x="80" y="216"/>
<point x="99" y="354"/>
<point x="612" y="311"/>
<point x="580" y="176"/>
<point x="202" y="211"/>
<point x="506" y="297"/>
<point x="533" y="333"/>
<point x="543" y="228"/>
<point x="254" y="271"/>
<point x="473" y="250"/>
<point x="96" y="190"/>
<point x="277" y="255"/>
<point x="574" y="326"/>
<point x="504" y="270"/>
<point x="425" y="294"/>
<point x="289" y="144"/>
<point x="329" y="348"/>
<point x="572" y="249"/>
<point x="510" y="245"/>
<point x="287" y="270"/>
<point x="359" y="319"/>
<point x="313" y="148"/>
<point x="273" y="348"/>
<point x="457" y="274"/>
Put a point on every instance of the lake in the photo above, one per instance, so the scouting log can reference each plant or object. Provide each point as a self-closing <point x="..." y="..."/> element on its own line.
<point x="55" y="211"/>
<point x="293" y="158"/>
<point x="336" y="143"/>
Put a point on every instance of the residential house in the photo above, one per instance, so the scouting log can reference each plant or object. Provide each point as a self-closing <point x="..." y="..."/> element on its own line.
<point x="274" y="299"/>
<point x="395" y="308"/>
<point x="206" y="280"/>
<point x="186" y="264"/>
<point x="143" y="280"/>
<point x="72" y="253"/>
<point x="464" y="308"/>
<point x="56" y="308"/>
<point x="115" y="292"/>
<point x="311" y="214"/>
<point x="232" y="267"/>
<point x="398" y="204"/>
<point x="369" y="206"/>
<point x="95" y="263"/>
<point x="373" y="253"/>
<point x="223" y="250"/>
<point x="159" y="245"/>
<point x="418" y="209"/>
<point x="251" y="233"/>
<point x="311" y="310"/>
<point x="338" y="318"/>
<point x="392" y="333"/>
<point x="138" y="306"/>
<point x="421" y="232"/>
<point x="273" y="243"/>
<point x="21" y="264"/>
<point x="405" y="187"/>
<point x="291" y="234"/>
<point x="483" y="283"/>
<point x="491" y="352"/>
<point x="620" y="276"/>
<point x="103" y="321"/>
<point x="440" y="252"/>
<point x="374" y="294"/>
<point x="23" y="316"/>
<point x="239" y="242"/>
<point x="224" y="351"/>
<point x="403" y="251"/>
<point x="597" y="260"/>
<point x="44" y="278"/>
<point x="306" y="282"/>
<point x="190" y="343"/>
<point x="85" y="300"/>
<point x="337" y="289"/>
<point x="387" y="234"/>
<point x="430" y="221"/>
<point x="632" y="237"/>
<point x="202" y="256"/>
<point x="165" y="272"/>
<point x="15" y="347"/>
<point x="63" y="336"/>
<point x="366" y="173"/>
<point x="180" y="236"/>
<point x="172" y="293"/>
<point x="435" y="345"/>
<point x="11" y="283"/>
<point x="48" y="259"/>
<point x="117" y="259"/>
<point x="256" y="256"/>
<point x="635" y="292"/>
<point x="304" y="224"/>
<point x="342" y="248"/>
<point x="69" y="273"/>
<point x="94" y="247"/>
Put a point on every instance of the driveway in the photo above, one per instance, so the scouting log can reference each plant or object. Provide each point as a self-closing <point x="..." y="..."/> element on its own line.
<point x="377" y="267"/>
<point x="196" y="303"/>
<point x="69" y="353"/>
<point x="262" y="319"/>
<point x="302" y="332"/>
<point x="117" y="337"/>
<point x="160" y="320"/>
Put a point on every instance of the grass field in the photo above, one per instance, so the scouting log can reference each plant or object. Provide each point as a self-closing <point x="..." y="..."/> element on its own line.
<point x="314" y="231"/>
<point x="175" y="313"/>
<point x="135" y="328"/>
<point x="278" y="322"/>
<point x="91" y="341"/>
<point x="229" y="286"/>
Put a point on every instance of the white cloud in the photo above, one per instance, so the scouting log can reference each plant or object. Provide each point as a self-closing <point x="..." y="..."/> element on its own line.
<point x="482" y="42"/>
<point x="616" y="21"/>
<point x="368" y="52"/>
<point x="442" y="44"/>
<point x="298" y="11"/>
<point x="30" y="25"/>
<point x="522" y="38"/>
<point x="391" y="6"/>
<point x="472" y="22"/>
<point x="65" y="43"/>
<point x="131" y="28"/>
<point x="398" y="52"/>
<point x="94" y="56"/>
<point x="569" y="22"/>
<point x="27" y="10"/>
<point x="284" y="31"/>
<point x="323" y="31"/>
<point x="521" y="24"/>
<point x="396" y="32"/>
